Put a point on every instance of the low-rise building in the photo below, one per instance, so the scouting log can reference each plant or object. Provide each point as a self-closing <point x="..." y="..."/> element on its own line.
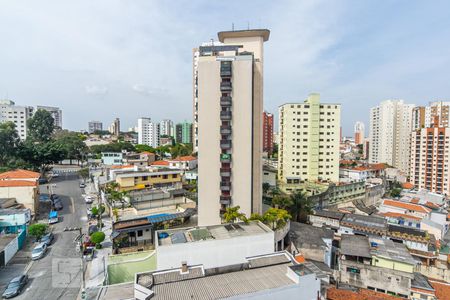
<point x="22" y="185"/>
<point x="14" y="220"/>
<point x="328" y="218"/>
<point x="143" y="159"/>
<point x="112" y="158"/>
<point x="337" y="195"/>
<point x="411" y="209"/>
<point x="363" y="225"/>
<point x="149" y="178"/>
<point x="270" y="175"/>
<point x="362" y="172"/>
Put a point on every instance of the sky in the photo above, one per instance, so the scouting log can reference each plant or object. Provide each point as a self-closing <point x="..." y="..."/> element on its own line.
<point x="98" y="60"/>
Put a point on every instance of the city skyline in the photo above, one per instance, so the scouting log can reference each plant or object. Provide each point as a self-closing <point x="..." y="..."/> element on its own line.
<point x="356" y="54"/>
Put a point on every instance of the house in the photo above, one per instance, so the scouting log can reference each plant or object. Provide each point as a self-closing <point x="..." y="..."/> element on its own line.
<point x="411" y="209"/>
<point x="22" y="185"/>
<point x="328" y="218"/>
<point x="112" y="158"/>
<point x="421" y="288"/>
<point x="142" y="159"/>
<point x="402" y="219"/>
<point x="362" y="225"/>
<point x="362" y="172"/>
<point x="184" y="163"/>
<point x="376" y="264"/>
<point x="268" y="276"/>
<point x="130" y="180"/>
<point x="14" y="220"/>
<point x="423" y="197"/>
<point x="312" y="242"/>
<point x="434" y="228"/>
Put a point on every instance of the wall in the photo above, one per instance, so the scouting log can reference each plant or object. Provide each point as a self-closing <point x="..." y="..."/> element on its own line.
<point x="215" y="253"/>
<point x="389" y="264"/>
<point x="122" y="267"/>
<point x="11" y="249"/>
<point x="26" y="195"/>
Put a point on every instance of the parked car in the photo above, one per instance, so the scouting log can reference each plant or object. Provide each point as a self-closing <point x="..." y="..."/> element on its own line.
<point x="57" y="204"/>
<point x="53" y="217"/>
<point x="55" y="175"/>
<point x="42" y="181"/>
<point x="54" y="197"/>
<point x="92" y="229"/>
<point x="82" y="185"/>
<point x="47" y="239"/>
<point x="15" y="286"/>
<point x="89" y="199"/>
<point x="88" y="253"/>
<point x="39" y="251"/>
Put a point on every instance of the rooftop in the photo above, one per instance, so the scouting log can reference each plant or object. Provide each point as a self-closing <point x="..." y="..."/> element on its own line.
<point x="329" y="214"/>
<point x="216" y="232"/>
<point x="264" y="33"/>
<point x="365" y="221"/>
<point x="19" y="174"/>
<point x="392" y="251"/>
<point x="308" y="235"/>
<point x="5" y="240"/>
<point x="355" y="245"/>
<point x="421" y="282"/>
<point x="401" y="216"/>
<point x="442" y="289"/>
<point x="126" y="174"/>
<point x="17" y="183"/>
<point x="408" y="206"/>
<point x="362" y="294"/>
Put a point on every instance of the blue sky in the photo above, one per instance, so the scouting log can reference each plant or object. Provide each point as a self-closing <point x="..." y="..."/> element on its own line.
<point x="105" y="59"/>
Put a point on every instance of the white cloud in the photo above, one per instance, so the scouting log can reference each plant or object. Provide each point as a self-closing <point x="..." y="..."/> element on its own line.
<point x="147" y="91"/>
<point x="96" y="90"/>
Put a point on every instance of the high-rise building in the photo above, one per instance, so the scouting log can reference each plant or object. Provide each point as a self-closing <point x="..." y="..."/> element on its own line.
<point x="10" y="112"/>
<point x="418" y="117"/>
<point x="183" y="133"/>
<point x="229" y="124"/>
<point x="309" y="141"/>
<point x="94" y="126"/>
<point x="424" y="116"/>
<point x="429" y="158"/>
<point x="268" y="132"/>
<point x="114" y="129"/>
<point x="179" y="133"/>
<point x="390" y="134"/>
<point x="166" y="128"/>
<point x="148" y="132"/>
<point x="56" y="113"/>
<point x="359" y="133"/>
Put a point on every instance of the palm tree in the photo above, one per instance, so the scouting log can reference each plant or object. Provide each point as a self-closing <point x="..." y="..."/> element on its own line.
<point x="282" y="201"/>
<point x="232" y="214"/>
<point x="302" y="206"/>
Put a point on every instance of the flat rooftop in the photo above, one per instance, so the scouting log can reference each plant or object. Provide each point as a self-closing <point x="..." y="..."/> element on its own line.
<point x="216" y="232"/>
<point x="264" y="33"/>
<point x="5" y="240"/>
<point x="391" y="250"/>
<point x="355" y="245"/>
<point x="365" y="221"/>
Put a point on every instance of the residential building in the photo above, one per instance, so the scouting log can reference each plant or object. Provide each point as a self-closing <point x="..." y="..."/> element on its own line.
<point x="267" y="133"/>
<point x="148" y="132"/>
<point x="337" y="195"/>
<point x="390" y="134"/>
<point x="424" y="116"/>
<point x="22" y="185"/>
<point x="411" y="209"/>
<point x="429" y="159"/>
<point x="309" y="141"/>
<point x="230" y="84"/>
<point x="270" y="276"/>
<point x="144" y="179"/>
<point x="166" y="128"/>
<point x="269" y="175"/>
<point x="362" y="172"/>
<point x="114" y="129"/>
<point x="94" y="126"/>
<point x="359" y="133"/>
<point x="178" y="133"/>
<point x="14" y="220"/>
<point x="418" y="118"/>
<point x="376" y="264"/>
<point x="10" y="112"/>
<point x="142" y="159"/>
<point x="112" y="158"/>
<point x="366" y="148"/>
<point x="327" y="218"/>
<point x="183" y="133"/>
<point x="56" y="113"/>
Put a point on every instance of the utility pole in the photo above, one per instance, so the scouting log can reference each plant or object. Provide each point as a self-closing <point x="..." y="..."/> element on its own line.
<point x="83" y="286"/>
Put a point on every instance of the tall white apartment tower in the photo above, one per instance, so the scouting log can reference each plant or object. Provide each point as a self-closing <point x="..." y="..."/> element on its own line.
<point x="148" y="132"/>
<point x="10" y="112"/>
<point x="56" y="113"/>
<point x="229" y="124"/>
<point x="390" y="134"/>
<point x="166" y="128"/>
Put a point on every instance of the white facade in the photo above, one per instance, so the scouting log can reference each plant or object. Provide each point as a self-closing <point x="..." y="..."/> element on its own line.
<point x="56" y="113"/>
<point x="94" y="126"/>
<point x="9" y="112"/>
<point x="390" y="134"/>
<point x="148" y="132"/>
<point x="166" y="128"/>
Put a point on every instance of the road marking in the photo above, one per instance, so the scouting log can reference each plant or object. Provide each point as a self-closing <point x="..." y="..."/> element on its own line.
<point x="73" y="205"/>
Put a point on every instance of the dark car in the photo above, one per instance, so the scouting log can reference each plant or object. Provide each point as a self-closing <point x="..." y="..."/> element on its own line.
<point x="15" y="286"/>
<point x="54" y="197"/>
<point x="57" y="204"/>
<point x="47" y="239"/>
<point x="43" y="180"/>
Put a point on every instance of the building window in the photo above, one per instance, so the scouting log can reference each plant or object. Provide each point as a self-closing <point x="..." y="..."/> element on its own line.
<point x="353" y="270"/>
<point x="140" y="233"/>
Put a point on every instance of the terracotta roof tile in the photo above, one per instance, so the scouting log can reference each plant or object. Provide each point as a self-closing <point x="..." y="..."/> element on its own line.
<point x="399" y="215"/>
<point x="19" y="174"/>
<point x="442" y="289"/>
<point x="415" y="200"/>
<point x="363" y="294"/>
<point x="160" y="163"/>
<point x="121" y="167"/>
<point x="407" y="185"/>
<point x="185" y="158"/>
<point x="409" y="206"/>
<point x="17" y="183"/>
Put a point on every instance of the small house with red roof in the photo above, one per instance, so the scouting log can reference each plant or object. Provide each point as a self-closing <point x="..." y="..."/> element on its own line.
<point x="22" y="185"/>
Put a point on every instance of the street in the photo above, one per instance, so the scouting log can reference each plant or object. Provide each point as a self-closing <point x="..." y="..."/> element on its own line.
<point x="58" y="274"/>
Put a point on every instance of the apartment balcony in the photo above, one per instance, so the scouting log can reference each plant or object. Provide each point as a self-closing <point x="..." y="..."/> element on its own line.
<point x="225" y="115"/>
<point x="226" y="200"/>
<point x="225" y="71"/>
<point x="225" y="129"/>
<point x="225" y="101"/>
<point x="225" y="144"/>
<point x="225" y="172"/>
<point x="225" y="86"/>
<point x="225" y="158"/>
<point x="225" y="186"/>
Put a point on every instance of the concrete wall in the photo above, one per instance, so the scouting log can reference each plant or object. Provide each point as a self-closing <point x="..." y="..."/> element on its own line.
<point x="11" y="249"/>
<point x="389" y="264"/>
<point x="26" y="195"/>
<point x="215" y="253"/>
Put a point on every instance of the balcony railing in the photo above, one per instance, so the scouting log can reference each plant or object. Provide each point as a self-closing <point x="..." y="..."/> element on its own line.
<point x="225" y="145"/>
<point x="225" y="101"/>
<point x="225" y="158"/>
<point x="225" y="129"/>
<point x="225" y="115"/>
<point x="225" y="86"/>
<point x="226" y="200"/>
<point x="225" y="72"/>
<point x="225" y="171"/>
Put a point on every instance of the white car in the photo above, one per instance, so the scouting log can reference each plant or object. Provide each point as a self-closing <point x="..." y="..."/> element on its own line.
<point x="55" y="175"/>
<point x="39" y="251"/>
<point x="89" y="199"/>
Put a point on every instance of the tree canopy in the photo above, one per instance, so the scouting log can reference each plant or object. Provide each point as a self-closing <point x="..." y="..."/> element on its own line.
<point x="9" y="143"/>
<point x="40" y="126"/>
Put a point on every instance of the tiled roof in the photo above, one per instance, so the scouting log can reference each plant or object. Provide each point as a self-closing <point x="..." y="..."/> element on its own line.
<point x="415" y="200"/>
<point x="160" y="163"/>
<point x="407" y="185"/>
<point x="399" y="215"/>
<point x="19" y="174"/>
<point x="442" y="289"/>
<point x="363" y="294"/>
<point x="121" y="167"/>
<point x="17" y="183"/>
<point x="431" y="205"/>
<point x="185" y="158"/>
<point x="408" y="206"/>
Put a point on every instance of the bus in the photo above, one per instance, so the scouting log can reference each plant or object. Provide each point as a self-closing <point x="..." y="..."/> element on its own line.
<point x="53" y="217"/>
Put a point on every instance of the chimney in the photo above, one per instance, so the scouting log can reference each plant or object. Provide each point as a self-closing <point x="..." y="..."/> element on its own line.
<point x="184" y="267"/>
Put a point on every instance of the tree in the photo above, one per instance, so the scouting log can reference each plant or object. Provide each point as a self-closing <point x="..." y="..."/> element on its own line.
<point x="232" y="214"/>
<point x="97" y="237"/>
<point x="276" y="218"/>
<point x="282" y="201"/>
<point x="37" y="230"/>
<point x="40" y="126"/>
<point x="396" y="192"/>
<point x="265" y="187"/>
<point x="144" y="148"/>
<point x="84" y="173"/>
<point x="302" y="206"/>
<point x="9" y="143"/>
<point x="72" y="143"/>
<point x="41" y="155"/>
<point x="112" y="147"/>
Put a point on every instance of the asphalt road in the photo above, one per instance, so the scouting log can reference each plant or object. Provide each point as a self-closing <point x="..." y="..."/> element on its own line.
<point x="58" y="274"/>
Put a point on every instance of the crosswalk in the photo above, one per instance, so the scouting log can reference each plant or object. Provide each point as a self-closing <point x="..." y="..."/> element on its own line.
<point x="65" y="170"/>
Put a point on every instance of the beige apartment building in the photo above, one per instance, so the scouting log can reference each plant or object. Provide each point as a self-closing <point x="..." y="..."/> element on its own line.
<point x="309" y="141"/>
<point x="228" y="108"/>
<point x="424" y="116"/>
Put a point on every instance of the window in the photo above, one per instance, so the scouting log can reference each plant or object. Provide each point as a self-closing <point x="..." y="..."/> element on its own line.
<point x="353" y="270"/>
<point x="140" y="233"/>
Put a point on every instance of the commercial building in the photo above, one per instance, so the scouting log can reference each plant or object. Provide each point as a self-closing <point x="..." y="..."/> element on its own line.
<point x="139" y="180"/>
<point x="230" y="110"/>
<point x="112" y="158"/>
<point x="94" y="126"/>
<point x="268" y="132"/>
<point x="429" y="159"/>
<point x="359" y="133"/>
<point x="309" y="141"/>
<point x="390" y="134"/>
<point x="10" y="112"/>
<point x="166" y="128"/>
<point x="56" y="113"/>
<point x="148" y="132"/>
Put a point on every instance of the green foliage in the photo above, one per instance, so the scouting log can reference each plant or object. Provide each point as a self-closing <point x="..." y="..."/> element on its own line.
<point x="40" y="155"/>
<point x="40" y="127"/>
<point x="97" y="237"/>
<point x="37" y="230"/>
<point x="84" y="173"/>
<point x="180" y="150"/>
<point x="112" y="147"/>
<point x="276" y="218"/>
<point x="282" y="201"/>
<point x="97" y="211"/>
<point x="395" y="193"/>
<point x="9" y="143"/>
<point x="72" y="143"/>
<point x="265" y="187"/>
<point x="302" y="206"/>
<point x="144" y="148"/>
<point x="232" y="214"/>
